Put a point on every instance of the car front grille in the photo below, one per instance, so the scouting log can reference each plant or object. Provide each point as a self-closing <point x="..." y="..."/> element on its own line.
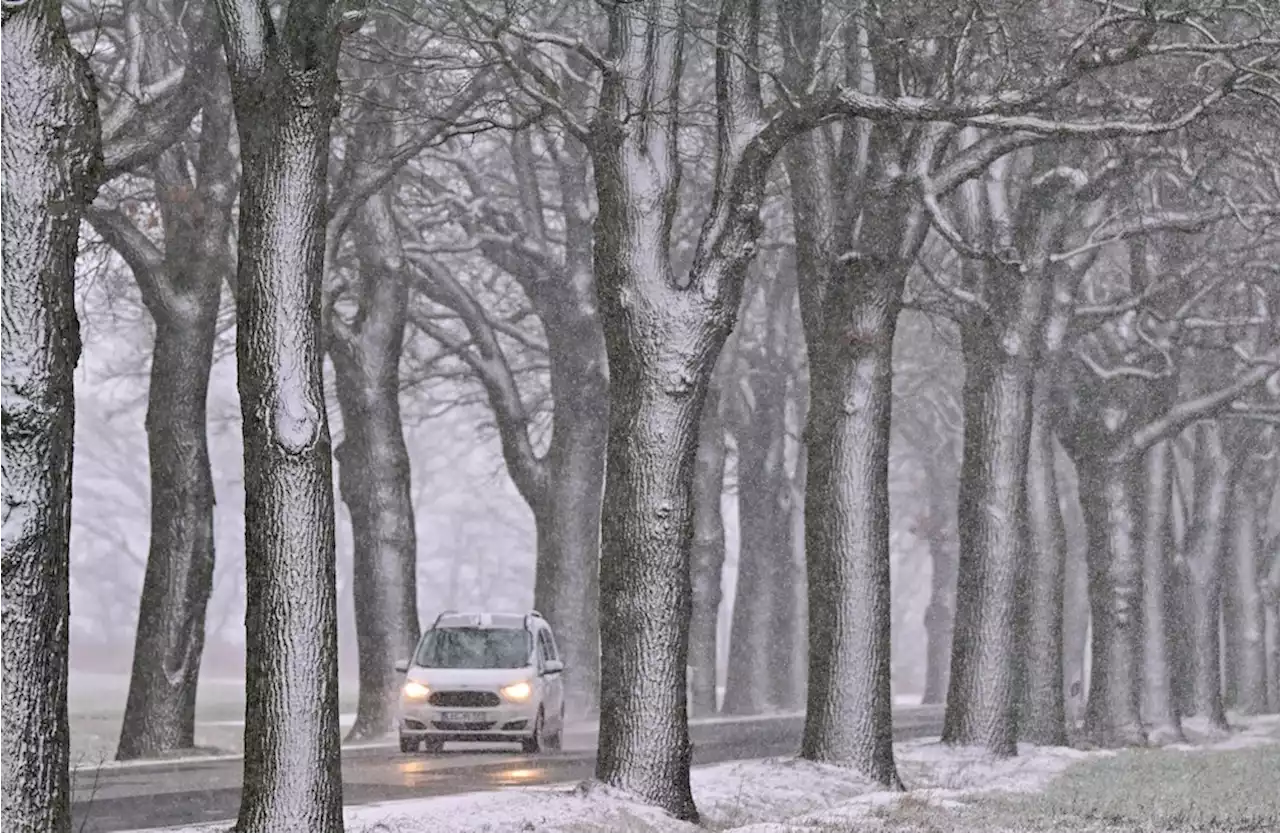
<point x="464" y="699"/>
<point x="461" y="727"/>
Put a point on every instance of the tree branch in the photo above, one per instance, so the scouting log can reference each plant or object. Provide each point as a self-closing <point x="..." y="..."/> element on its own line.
<point x="489" y="362"/>
<point x="1185" y="413"/>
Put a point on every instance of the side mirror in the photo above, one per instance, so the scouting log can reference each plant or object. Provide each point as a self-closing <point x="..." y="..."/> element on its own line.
<point x="552" y="666"/>
<point x="402" y="665"/>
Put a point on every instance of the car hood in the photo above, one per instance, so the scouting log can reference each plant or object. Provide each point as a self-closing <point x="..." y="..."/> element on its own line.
<point x="461" y="679"/>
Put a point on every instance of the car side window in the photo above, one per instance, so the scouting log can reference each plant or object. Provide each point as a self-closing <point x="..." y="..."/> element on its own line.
<point x="540" y="653"/>
<point x="549" y="648"/>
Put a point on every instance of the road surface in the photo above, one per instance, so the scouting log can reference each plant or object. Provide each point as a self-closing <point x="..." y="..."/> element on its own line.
<point x="171" y="793"/>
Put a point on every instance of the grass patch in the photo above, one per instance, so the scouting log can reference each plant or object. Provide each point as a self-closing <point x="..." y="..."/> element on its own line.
<point x="1234" y="791"/>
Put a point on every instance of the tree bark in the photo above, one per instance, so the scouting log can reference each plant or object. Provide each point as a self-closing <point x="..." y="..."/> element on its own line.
<point x="708" y="556"/>
<point x="52" y="158"/>
<point x="1044" y="716"/>
<point x="981" y="698"/>
<point x="374" y="471"/>
<point x="645" y="595"/>
<point x="1159" y="703"/>
<point x="284" y="90"/>
<point x="1243" y="520"/>
<point x="849" y="715"/>
<point x="160" y="710"/>
<point x="1205" y="557"/>
<point x="182" y="291"/>
<point x="1113" y="712"/>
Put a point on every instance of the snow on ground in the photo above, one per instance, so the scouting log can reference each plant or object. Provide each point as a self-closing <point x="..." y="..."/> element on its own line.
<point x="764" y="796"/>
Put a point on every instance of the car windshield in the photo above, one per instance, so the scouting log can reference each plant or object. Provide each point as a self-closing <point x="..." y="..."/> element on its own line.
<point x="474" y="648"/>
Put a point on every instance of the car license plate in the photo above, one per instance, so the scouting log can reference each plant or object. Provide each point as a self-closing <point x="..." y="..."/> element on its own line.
<point x="464" y="717"/>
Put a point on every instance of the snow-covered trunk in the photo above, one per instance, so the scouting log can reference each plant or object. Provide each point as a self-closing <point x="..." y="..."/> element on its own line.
<point x="939" y="616"/>
<point x="657" y="388"/>
<point x="1160" y="708"/>
<point x="1244" y="516"/>
<point x="52" y="153"/>
<point x="183" y="296"/>
<point x="374" y="472"/>
<point x="998" y="388"/>
<point x="849" y="715"/>
<point x="1107" y="494"/>
<point x="708" y="556"/>
<point x="566" y="588"/>
<point x="663" y="334"/>
<point x="284" y="90"/>
<point x="1043" y="720"/>
<point x="1206" y="551"/>
<point x="764" y="519"/>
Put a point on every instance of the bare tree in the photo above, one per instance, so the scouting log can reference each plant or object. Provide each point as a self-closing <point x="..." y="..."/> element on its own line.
<point x="181" y="286"/>
<point x="52" y="165"/>
<point x="284" y="86"/>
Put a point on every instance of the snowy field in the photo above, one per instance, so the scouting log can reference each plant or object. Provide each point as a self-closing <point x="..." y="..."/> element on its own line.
<point x="776" y="796"/>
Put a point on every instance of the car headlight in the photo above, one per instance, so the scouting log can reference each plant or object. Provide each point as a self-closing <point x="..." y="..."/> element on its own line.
<point x="518" y="691"/>
<point x="415" y="691"/>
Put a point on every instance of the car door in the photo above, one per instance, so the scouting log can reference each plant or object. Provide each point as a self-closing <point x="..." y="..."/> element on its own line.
<point x="554" y="682"/>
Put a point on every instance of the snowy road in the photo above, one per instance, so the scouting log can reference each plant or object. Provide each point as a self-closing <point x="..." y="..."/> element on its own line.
<point x="160" y="794"/>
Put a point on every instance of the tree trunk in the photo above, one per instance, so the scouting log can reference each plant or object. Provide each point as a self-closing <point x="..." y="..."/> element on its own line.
<point x="708" y="557"/>
<point x="939" y="616"/>
<point x="566" y="588"/>
<point x="1243" y="527"/>
<point x="764" y="521"/>
<point x="1271" y="626"/>
<point x="374" y="472"/>
<point x="784" y="693"/>
<point x="849" y="715"/>
<point x="1160" y="705"/>
<point x="647" y="531"/>
<point x="52" y="155"/>
<point x="284" y="93"/>
<point x="1113" y="713"/>
<point x="183" y="297"/>
<point x="1205" y="557"/>
<point x="982" y="696"/>
<point x="1075" y="605"/>
<point x="160" y="711"/>
<point x="1044" y="717"/>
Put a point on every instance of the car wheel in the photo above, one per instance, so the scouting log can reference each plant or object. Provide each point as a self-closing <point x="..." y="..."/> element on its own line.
<point x="554" y="742"/>
<point x="433" y="745"/>
<point x="408" y="744"/>
<point x="533" y="745"/>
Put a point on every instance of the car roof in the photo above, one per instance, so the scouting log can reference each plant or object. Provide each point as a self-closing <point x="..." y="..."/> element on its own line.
<point x="483" y="620"/>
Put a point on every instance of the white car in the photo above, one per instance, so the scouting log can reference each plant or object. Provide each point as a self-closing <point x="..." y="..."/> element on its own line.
<point x="487" y="677"/>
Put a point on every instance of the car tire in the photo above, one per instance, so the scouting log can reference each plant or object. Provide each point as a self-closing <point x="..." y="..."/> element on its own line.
<point x="408" y="745"/>
<point x="533" y="745"/>
<point x="433" y="746"/>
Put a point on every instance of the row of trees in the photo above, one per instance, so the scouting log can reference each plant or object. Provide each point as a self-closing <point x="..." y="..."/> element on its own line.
<point x="584" y="204"/>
